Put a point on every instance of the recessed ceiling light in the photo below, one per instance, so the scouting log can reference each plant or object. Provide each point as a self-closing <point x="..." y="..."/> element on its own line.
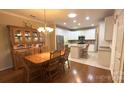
<point x="64" y="23"/>
<point x="74" y="21"/>
<point x="72" y="15"/>
<point x="79" y="24"/>
<point x="92" y="24"/>
<point x="87" y="18"/>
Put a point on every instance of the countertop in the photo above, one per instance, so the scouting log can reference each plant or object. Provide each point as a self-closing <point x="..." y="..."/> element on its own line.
<point x="77" y="45"/>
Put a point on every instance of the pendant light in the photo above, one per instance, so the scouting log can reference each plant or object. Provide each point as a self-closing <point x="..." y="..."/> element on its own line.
<point x="45" y="29"/>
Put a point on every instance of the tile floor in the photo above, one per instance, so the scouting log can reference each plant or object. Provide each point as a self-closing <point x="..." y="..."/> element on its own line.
<point x="92" y="60"/>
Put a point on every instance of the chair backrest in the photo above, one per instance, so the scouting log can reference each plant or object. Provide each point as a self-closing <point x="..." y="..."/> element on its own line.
<point x="53" y="66"/>
<point x="86" y="48"/>
<point x="66" y="54"/>
<point x="54" y="54"/>
<point x="66" y="46"/>
<point x="54" y="61"/>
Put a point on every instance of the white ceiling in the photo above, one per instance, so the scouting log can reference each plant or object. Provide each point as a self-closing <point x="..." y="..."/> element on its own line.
<point x="59" y="16"/>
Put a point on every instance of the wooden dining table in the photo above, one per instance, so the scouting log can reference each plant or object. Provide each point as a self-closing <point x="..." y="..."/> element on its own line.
<point x="39" y="58"/>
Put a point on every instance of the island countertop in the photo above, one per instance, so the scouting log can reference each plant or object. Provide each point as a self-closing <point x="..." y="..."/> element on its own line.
<point x="76" y="49"/>
<point x="77" y="45"/>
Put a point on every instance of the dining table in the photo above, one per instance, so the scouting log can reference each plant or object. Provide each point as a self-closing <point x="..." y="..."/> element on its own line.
<point x="40" y="57"/>
<point x="38" y="62"/>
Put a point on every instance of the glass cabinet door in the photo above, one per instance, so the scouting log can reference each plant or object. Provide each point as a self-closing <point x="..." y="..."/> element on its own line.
<point x="27" y="37"/>
<point x="18" y="37"/>
<point x="35" y="37"/>
<point x="41" y="39"/>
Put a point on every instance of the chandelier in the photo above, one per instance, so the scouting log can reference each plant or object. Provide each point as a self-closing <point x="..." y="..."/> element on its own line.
<point x="45" y="28"/>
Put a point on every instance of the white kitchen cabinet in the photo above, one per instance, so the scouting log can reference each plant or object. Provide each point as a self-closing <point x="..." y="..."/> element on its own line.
<point x="69" y="35"/>
<point x="109" y="24"/>
<point x="64" y="33"/>
<point x="89" y="33"/>
<point x="73" y="35"/>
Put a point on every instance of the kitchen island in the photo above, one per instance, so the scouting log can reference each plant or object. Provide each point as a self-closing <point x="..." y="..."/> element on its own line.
<point x="76" y="50"/>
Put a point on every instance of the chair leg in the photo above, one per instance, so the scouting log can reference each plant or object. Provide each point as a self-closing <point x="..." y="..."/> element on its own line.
<point x="63" y="67"/>
<point x="68" y="64"/>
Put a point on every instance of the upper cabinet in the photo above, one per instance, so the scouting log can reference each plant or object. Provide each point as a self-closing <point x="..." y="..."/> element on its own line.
<point x="73" y="35"/>
<point x="22" y="37"/>
<point x="18" y="36"/>
<point x="35" y="37"/>
<point x="109" y="24"/>
<point x="27" y="37"/>
<point x="89" y="34"/>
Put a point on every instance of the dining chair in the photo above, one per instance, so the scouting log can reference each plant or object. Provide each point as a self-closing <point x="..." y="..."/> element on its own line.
<point x="57" y="53"/>
<point x="85" y="51"/>
<point x="54" y="54"/>
<point x="54" y="66"/>
<point x="64" y="58"/>
<point x="32" y="71"/>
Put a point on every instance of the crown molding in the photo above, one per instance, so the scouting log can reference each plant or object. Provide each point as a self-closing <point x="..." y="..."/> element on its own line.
<point x="62" y="27"/>
<point x="84" y="28"/>
<point x="20" y="16"/>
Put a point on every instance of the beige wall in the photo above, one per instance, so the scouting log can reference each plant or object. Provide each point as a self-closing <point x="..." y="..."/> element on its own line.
<point x="52" y="41"/>
<point x="5" y="57"/>
<point x="9" y="19"/>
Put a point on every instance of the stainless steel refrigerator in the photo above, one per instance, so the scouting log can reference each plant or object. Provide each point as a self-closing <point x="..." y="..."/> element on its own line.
<point x="59" y="42"/>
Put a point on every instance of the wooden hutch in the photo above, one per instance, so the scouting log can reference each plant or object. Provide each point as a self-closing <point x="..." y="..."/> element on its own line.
<point x="26" y="41"/>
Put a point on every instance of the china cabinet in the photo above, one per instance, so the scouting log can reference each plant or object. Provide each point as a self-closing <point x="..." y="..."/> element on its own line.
<point x="25" y="41"/>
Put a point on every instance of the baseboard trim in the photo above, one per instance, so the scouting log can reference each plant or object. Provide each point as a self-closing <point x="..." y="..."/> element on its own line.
<point x="112" y="75"/>
<point x="6" y="68"/>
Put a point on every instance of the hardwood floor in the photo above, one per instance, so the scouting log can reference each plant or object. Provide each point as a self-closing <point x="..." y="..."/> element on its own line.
<point x="80" y="73"/>
<point x="12" y="76"/>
